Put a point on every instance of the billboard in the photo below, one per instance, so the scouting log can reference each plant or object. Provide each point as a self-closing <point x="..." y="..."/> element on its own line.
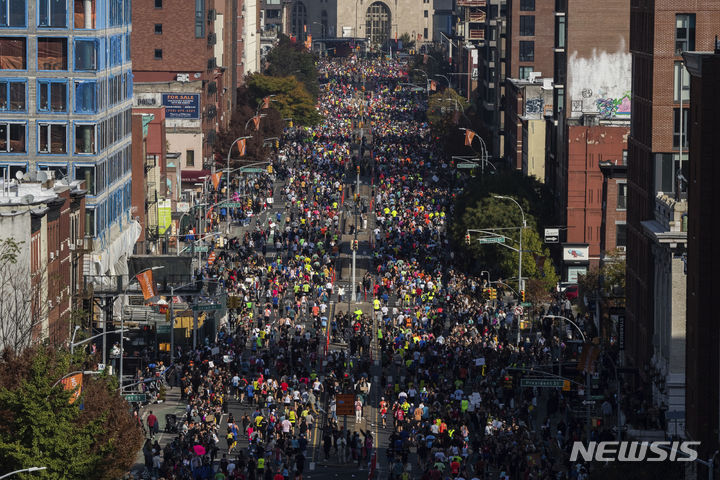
<point x="181" y="105"/>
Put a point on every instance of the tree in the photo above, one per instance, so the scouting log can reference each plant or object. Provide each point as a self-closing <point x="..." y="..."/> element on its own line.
<point x="291" y="98"/>
<point x="23" y="307"/>
<point x="94" y="437"/>
<point x="407" y="42"/>
<point x="445" y="110"/>
<point x="291" y="59"/>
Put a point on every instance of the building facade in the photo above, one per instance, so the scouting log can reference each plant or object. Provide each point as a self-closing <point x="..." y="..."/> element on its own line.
<point x="66" y="87"/>
<point x="657" y="148"/>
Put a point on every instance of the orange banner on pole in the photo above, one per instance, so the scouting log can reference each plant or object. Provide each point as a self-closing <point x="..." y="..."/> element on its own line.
<point x="73" y="383"/>
<point x="216" y="179"/>
<point x="241" y="146"/>
<point x="145" y="279"/>
<point x="469" y="136"/>
<point x="433" y="85"/>
<point x="256" y="121"/>
<point x="266" y="102"/>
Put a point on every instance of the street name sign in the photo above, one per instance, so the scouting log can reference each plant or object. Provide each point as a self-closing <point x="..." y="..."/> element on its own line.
<point x="491" y="240"/>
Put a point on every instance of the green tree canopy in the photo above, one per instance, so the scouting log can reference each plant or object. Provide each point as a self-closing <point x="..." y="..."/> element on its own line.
<point x="291" y="59"/>
<point x="94" y="437"/>
<point x="445" y="112"/>
<point x="478" y="209"/>
<point x="291" y="98"/>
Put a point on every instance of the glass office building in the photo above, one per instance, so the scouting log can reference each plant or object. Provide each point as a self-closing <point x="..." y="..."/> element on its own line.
<point x="66" y="98"/>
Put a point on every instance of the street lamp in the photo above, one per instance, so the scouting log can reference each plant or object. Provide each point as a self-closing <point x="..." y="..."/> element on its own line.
<point x="31" y="469"/>
<point x="227" y="187"/>
<point x="262" y="115"/>
<point x="122" y="320"/>
<point x="73" y="344"/>
<point x="427" y="80"/>
<point x="520" y="250"/>
<point x="582" y="335"/>
<point x="446" y="78"/>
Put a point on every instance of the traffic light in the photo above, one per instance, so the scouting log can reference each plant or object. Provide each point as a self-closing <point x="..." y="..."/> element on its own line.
<point x="467" y="239"/>
<point x="354" y="245"/>
<point x="508" y="382"/>
<point x="493" y="294"/>
<point x="270" y="169"/>
<point x="522" y="295"/>
<point x="357" y="169"/>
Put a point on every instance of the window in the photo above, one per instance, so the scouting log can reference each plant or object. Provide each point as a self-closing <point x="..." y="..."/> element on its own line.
<point x="624" y="157"/>
<point x="52" y="138"/>
<point x="13" y="53"/>
<point x="425" y="33"/>
<point x="190" y="158"/>
<point x="85" y="139"/>
<point x="158" y="29"/>
<point x="667" y="166"/>
<point x="116" y="13"/>
<point x="527" y="51"/>
<point x="84" y="14"/>
<point x="558" y="101"/>
<point x="527" y="25"/>
<point x="90" y="222"/>
<point x="158" y="54"/>
<point x="52" y="53"/>
<point x="684" y="32"/>
<point x="681" y="83"/>
<point x="12" y="13"/>
<point x="527" y="5"/>
<point x="560" y="31"/>
<point x="199" y="19"/>
<point x="620" y="235"/>
<point x="52" y="96"/>
<point x="622" y="196"/>
<point x="158" y="3"/>
<point x="425" y="13"/>
<point x="85" y="55"/>
<point x="86" y="173"/>
<point x="12" y="96"/>
<point x="85" y="97"/>
<point x="524" y="72"/>
<point x="52" y="13"/>
<point x="679" y="129"/>
<point x="116" y="55"/>
<point x="12" y="137"/>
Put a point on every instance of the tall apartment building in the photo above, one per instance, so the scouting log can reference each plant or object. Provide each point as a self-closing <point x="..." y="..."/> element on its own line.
<point x="176" y="68"/>
<point x="530" y="56"/>
<point x="657" y="162"/>
<point x="703" y="260"/>
<point x="65" y="99"/>
<point x="590" y="121"/>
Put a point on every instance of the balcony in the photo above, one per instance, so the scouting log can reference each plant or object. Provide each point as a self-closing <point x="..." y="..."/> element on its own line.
<point x="477" y="16"/>
<point x="471" y="3"/>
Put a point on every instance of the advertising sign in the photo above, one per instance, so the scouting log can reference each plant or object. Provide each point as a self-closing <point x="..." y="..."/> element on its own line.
<point x="164" y="215"/>
<point x="181" y="105"/>
<point x="580" y="253"/>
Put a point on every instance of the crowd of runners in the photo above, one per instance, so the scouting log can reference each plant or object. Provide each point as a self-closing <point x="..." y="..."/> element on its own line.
<point x="430" y="363"/>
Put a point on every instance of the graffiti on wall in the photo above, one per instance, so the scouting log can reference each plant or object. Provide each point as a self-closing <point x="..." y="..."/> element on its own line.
<point x="609" y="108"/>
<point x="534" y="106"/>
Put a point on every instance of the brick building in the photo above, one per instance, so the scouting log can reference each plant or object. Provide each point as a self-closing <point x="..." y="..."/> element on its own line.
<point x="657" y="150"/>
<point x="703" y="259"/>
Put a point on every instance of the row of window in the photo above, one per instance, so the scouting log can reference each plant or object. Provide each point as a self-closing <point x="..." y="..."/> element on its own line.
<point x="103" y="215"/>
<point x="52" y="96"/>
<point x="52" y="137"/>
<point x="82" y="15"/>
<point x="90" y="54"/>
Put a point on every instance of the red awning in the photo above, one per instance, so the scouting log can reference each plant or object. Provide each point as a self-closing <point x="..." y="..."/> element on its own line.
<point x="193" y="176"/>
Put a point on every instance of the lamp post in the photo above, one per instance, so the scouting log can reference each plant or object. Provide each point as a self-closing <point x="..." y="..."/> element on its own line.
<point x="31" y="469"/>
<point x="427" y="80"/>
<point x="122" y="321"/>
<point x="227" y="187"/>
<point x="446" y="78"/>
<point x="262" y="115"/>
<point x="73" y="344"/>
<point x="520" y="250"/>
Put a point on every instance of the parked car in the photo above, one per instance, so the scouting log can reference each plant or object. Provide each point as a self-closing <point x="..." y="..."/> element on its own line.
<point x="571" y="292"/>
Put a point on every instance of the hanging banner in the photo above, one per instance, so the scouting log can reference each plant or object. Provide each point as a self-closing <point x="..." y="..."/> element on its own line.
<point x="256" y="121"/>
<point x="145" y="279"/>
<point x="266" y="102"/>
<point x="164" y="215"/>
<point x="469" y="136"/>
<point x="216" y="179"/>
<point x="73" y="382"/>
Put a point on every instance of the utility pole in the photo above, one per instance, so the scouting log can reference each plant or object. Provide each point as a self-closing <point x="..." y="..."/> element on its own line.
<point x="195" y="322"/>
<point x="172" y="324"/>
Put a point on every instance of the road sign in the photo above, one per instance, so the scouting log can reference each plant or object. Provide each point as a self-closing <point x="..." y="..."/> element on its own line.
<point x="491" y="240"/>
<point x="552" y="235"/>
<point x="623" y="428"/>
<point x="163" y="328"/>
<point x="232" y="204"/>
<point x="588" y="402"/>
<point x="135" y="397"/>
<point x="345" y="404"/>
<point x="201" y="249"/>
<point x="467" y="165"/>
<point x="205" y="307"/>
<point x="526" y="304"/>
<point x="543" y="382"/>
<point x="518" y="310"/>
<point x="597" y="397"/>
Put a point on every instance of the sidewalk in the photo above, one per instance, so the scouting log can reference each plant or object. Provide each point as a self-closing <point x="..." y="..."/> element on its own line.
<point x="171" y="405"/>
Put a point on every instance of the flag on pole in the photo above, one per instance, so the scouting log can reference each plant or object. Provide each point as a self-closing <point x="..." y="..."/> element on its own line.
<point x="469" y="136"/>
<point x="266" y="102"/>
<point x="147" y="284"/>
<point x="433" y="85"/>
<point x="74" y="384"/>
<point x="216" y="179"/>
<point x="241" y="146"/>
<point x="256" y="121"/>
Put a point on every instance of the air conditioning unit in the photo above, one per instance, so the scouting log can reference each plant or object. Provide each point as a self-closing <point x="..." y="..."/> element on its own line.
<point x="52" y="255"/>
<point x="71" y="246"/>
<point x="621" y="248"/>
<point x="212" y="63"/>
<point x="80" y="242"/>
<point x="212" y="39"/>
